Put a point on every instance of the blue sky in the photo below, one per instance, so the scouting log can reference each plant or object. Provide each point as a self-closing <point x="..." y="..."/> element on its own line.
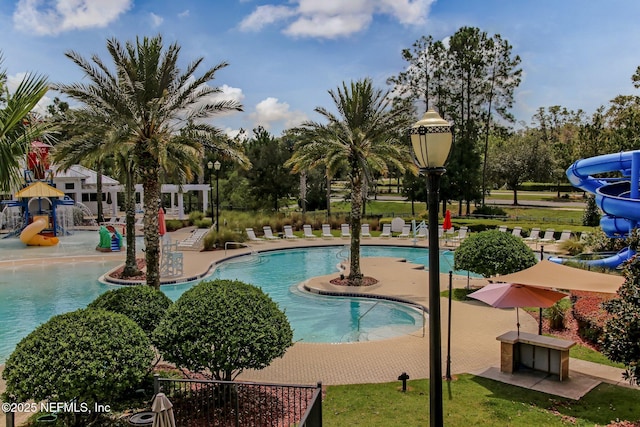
<point x="285" y="55"/>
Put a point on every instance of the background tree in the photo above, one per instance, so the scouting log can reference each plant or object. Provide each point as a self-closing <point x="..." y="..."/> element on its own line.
<point x="365" y="136"/>
<point x="223" y="327"/>
<point x="493" y="252"/>
<point x="17" y="128"/>
<point x="90" y="356"/>
<point x="592" y="214"/>
<point x="150" y="98"/>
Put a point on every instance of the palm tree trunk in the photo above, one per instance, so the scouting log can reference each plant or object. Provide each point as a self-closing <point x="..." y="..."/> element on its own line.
<point x="99" y="192"/>
<point x="355" y="274"/>
<point x="151" y="186"/>
<point x="131" y="264"/>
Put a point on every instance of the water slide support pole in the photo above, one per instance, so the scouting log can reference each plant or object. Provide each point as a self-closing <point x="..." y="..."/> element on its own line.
<point x="635" y="181"/>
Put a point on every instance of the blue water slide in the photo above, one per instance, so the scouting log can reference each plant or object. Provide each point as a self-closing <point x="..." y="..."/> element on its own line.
<point x="619" y="198"/>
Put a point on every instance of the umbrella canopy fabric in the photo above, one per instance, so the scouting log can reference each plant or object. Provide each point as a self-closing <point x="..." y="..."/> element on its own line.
<point x="447" y="220"/>
<point x="551" y="275"/>
<point x="163" y="411"/>
<point x="512" y="295"/>
<point x="39" y="189"/>
<point x="162" y="225"/>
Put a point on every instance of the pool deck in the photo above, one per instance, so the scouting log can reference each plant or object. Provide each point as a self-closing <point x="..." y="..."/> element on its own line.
<point x="474" y="328"/>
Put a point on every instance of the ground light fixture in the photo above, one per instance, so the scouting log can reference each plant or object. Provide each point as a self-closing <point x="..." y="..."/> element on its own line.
<point x="431" y="141"/>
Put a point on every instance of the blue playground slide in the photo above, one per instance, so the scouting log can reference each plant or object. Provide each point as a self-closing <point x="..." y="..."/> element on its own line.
<point x="619" y="198"/>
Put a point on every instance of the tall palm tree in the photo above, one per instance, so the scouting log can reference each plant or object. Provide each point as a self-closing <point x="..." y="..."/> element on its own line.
<point x="16" y="130"/>
<point x="152" y="99"/>
<point x="366" y="136"/>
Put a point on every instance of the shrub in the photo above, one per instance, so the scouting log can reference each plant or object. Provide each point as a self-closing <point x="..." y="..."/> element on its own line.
<point x="572" y="246"/>
<point x="557" y="313"/>
<point x="489" y="210"/>
<point x="143" y="304"/>
<point x="203" y="223"/>
<point x="590" y="315"/>
<point x="176" y="224"/>
<point x="217" y="240"/>
<point x="92" y="356"/>
<point x="225" y="327"/>
<point x="195" y="216"/>
<point x="493" y="252"/>
<point x="591" y="214"/>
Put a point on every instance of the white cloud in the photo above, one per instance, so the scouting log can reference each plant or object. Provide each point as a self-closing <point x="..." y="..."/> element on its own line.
<point x="50" y="17"/>
<point x="335" y="18"/>
<point x="270" y="110"/>
<point x="13" y="81"/>
<point x="156" y="20"/>
<point x="265" y="15"/>
<point x="184" y="14"/>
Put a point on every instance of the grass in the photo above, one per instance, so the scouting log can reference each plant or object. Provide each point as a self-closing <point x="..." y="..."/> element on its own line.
<point x="585" y="353"/>
<point x="470" y="400"/>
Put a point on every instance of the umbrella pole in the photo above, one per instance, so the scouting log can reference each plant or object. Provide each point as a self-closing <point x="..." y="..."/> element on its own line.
<point x="518" y="320"/>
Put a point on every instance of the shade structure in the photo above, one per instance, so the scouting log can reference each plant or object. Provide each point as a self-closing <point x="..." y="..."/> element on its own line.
<point x="447" y="220"/>
<point x="515" y="295"/>
<point x="551" y="275"/>
<point x="163" y="411"/>
<point x="39" y="189"/>
<point x="162" y="225"/>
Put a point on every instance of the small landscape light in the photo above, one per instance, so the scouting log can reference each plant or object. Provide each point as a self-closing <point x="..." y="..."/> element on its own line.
<point x="404" y="377"/>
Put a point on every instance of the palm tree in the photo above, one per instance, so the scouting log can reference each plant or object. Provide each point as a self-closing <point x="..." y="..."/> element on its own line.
<point x="365" y="137"/>
<point x="16" y="130"/>
<point x="150" y="98"/>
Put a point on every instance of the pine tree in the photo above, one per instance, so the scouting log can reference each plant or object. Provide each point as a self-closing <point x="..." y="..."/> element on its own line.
<point x="591" y="215"/>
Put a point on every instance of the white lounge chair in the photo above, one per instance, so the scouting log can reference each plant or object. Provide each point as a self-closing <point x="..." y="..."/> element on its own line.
<point x="584" y="236"/>
<point x="423" y="232"/>
<point x="288" y="232"/>
<point x="548" y="236"/>
<point x="308" y="232"/>
<point x="252" y="235"/>
<point x="344" y="231"/>
<point x="386" y="231"/>
<point x="564" y="236"/>
<point x="533" y="236"/>
<point x="462" y="234"/>
<point x="502" y="228"/>
<point x="516" y="231"/>
<point x="326" y="231"/>
<point x="406" y="232"/>
<point x="365" y="233"/>
<point x="268" y="233"/>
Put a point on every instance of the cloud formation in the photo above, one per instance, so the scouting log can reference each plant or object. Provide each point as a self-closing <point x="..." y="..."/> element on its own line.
<point x="334" y="18"/>
<point x="50" y="17"/>
<point x="270" y="110"/>
<point x="156" y="20"/>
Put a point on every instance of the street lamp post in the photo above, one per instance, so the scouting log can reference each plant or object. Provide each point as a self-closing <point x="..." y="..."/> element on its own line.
<point x="210" y="167"/>
<point x="216" y="166"/>
<point x="431" y="141"/>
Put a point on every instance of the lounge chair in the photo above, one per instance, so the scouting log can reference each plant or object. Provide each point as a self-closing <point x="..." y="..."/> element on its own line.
<point x="516" y="231"/>
<point x="326" y="231"/>
<point x="564" y="236"/>
<point x="502" y="228"/>
<point x="268" y="233"/>
<point x="308" y="232"/>
<point x="548" y="236"/>
<point x="534" y="236"/>
<point x="422" y="232"/>
<point x="386" y="231"/>
<point x="462" y="234"/>
<point x="252" y="235"/>
<point x="365" y="233"/>
<point x="344" y="231"/>
<point x="288" y="232"/>
<point x="584" y="236"/>
<point x="406" y="232"/>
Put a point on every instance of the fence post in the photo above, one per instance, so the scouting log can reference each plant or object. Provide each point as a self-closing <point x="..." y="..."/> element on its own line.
<point x="10" y="420"/>
<point x="320" y="403"/>
<point x="156" y="384"/>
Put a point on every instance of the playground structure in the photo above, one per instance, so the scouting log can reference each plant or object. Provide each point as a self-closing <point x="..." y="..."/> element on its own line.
<point x="619" y="198"/>
<point x="40" y="212"/>
<point x="110" y="239"/>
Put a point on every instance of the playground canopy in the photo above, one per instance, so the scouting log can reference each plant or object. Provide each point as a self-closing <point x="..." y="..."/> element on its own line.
<point x="551" y="275"/>
<point x="39" y="189"/>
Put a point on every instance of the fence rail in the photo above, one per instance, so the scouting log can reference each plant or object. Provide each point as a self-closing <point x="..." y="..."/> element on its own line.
<point x="228" y="403"/>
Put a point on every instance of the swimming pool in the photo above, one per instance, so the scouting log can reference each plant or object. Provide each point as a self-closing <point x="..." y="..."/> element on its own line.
<point x="31" y="294"/>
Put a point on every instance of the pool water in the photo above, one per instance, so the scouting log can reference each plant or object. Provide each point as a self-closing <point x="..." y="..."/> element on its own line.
<point x="31" y="294"/>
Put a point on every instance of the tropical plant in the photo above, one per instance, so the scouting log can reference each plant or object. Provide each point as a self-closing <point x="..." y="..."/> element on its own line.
<point x="493" y="252"/>
<point x="87" y="356"/>
<point x="143" y="304"/>
<point x="364" y="137"/>
<point x="17" y="127"/>
<point x="157" y="106"/>
<point x="223" y="327"/>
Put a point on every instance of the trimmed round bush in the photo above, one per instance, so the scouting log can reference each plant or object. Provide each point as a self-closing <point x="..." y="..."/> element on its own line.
<point x="493" y="252"/>
<point x="88" y="355"/>
<point x="224" y="326"/>
<point x="143" y="304"/>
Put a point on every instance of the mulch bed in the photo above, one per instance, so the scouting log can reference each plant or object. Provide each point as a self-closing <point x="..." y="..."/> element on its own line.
<point x="366" y="281"/>
<point x="117" y="274"/>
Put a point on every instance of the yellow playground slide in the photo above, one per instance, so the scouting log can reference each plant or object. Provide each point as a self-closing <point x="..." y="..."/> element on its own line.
<point x="30" y="236"/>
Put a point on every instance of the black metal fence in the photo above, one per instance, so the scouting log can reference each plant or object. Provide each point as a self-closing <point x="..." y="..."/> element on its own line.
<point x="199" y="403"/>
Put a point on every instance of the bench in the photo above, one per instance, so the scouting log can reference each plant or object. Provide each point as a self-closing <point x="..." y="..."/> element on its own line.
<point x="535" y="352"/>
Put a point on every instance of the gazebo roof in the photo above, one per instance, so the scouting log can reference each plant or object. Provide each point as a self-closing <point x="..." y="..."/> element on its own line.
<point x="39" y="189"/>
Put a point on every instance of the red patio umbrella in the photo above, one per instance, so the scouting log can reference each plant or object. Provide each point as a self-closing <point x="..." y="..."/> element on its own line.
<point x="447" y="220"/>
<point x="162" y="226"/>
<point x="515" y="295"/>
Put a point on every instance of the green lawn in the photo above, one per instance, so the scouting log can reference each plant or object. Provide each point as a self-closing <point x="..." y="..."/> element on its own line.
<point x="474" y="401"/>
